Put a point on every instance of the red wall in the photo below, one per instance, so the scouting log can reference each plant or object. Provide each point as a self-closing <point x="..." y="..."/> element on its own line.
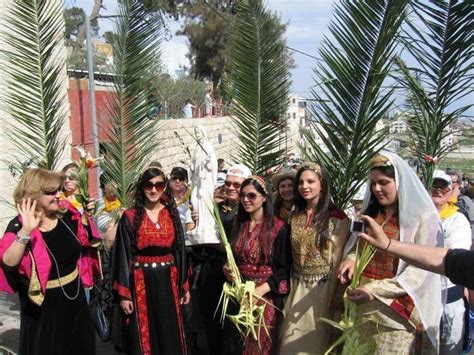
<point x="81" y="122"/>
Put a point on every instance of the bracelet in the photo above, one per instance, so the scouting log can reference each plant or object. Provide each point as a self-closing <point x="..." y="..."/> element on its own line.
<point x="389" y="243"/>
<point x="23" y="239"/>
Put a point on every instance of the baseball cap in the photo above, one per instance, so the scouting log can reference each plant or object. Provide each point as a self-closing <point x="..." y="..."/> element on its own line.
<point x="179" y="172"/>
<point x="239" y="170"/>
<point x="441" y="175"/>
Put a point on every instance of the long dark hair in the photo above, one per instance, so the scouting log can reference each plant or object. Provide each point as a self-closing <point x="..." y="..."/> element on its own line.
<point x="374" y="207"/>
<point x="243" y="216"/>
<point x="139" y="202"/>
<point x="324" y="206"/>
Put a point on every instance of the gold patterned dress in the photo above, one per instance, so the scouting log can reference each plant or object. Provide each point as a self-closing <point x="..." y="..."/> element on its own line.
<point x="313" y="281"/>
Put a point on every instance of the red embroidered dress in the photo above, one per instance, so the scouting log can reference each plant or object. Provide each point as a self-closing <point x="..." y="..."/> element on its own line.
<point x="146" y="270"/>
<point x="262" y="262"/>
<point x="384" y="266"/>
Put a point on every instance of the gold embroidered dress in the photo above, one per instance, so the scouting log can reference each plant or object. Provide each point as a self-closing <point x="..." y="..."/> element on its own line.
<point x="313" y="281"/>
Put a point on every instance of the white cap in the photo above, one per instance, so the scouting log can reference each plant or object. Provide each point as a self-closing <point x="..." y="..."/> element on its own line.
<point x="239" y="170"/>
<point x="441" y="175"/>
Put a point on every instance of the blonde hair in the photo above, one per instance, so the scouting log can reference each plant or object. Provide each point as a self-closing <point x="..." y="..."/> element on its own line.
<point x="35" y="182"/>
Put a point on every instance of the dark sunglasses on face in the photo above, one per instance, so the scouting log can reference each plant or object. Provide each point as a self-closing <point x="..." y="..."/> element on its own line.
<point x="51" y="193"/>
<point x="443" y="190"/>
<point x="252" y="196"/>
<point x="236" y="185"/>
<point x="159" y="186"/>
<point x="178" y="178"/>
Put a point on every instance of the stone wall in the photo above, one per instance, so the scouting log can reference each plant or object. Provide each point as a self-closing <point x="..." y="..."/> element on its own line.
<point x="177" y="134"/>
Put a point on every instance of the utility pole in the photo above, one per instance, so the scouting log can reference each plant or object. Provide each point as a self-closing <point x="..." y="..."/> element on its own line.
<point x="90" y="67"/>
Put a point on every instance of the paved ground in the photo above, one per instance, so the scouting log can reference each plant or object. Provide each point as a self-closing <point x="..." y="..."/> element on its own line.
<point x="10" y="327"/>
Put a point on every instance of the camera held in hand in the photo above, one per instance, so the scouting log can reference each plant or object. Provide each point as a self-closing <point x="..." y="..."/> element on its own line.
<point x="357" y="226"/>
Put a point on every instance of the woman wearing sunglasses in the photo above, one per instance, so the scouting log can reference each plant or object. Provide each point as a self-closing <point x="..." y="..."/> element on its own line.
<point x="48" y="256"/>
<point x="263" y="254"/>
<point x="318" y="233"/>
<point x="181" y="192"/>
<point x="149" y="272"/>
<point x="69" y="188"/>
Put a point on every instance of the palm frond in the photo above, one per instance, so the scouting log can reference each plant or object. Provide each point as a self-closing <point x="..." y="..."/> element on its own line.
<point x="259" y="85"/>
<point x="440" y="38"/>
<point x="349" y="100"/>
<point x="132" y="137"/>
<point x="36" y="69"/>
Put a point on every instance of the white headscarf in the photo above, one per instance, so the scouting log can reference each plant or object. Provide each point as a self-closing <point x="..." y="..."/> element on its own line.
<point x="420" y="224"/>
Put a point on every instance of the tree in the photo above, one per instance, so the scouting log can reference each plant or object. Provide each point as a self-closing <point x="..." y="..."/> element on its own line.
<point x="75" y="34"/>
<point x="133" y="137"/>
<point x="34" y="96"/>
<point x="441" y="76"/>
<point x="348" y="95"/>
<point x="259" y="85"/>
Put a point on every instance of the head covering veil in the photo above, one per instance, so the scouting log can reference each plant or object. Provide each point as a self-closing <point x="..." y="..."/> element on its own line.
<point x="420" y="224"/>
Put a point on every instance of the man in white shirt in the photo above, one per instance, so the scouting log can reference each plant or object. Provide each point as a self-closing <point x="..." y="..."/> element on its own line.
<point x="457" y="235"/>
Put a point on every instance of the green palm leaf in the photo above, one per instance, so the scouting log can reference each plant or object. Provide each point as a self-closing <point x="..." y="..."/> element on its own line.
<point x="132" y="138"/>
<point x="35" y="70"/>
<point x="442" y="75"/>
<point x="349" y="100"/>
<point x="259" y="85"/>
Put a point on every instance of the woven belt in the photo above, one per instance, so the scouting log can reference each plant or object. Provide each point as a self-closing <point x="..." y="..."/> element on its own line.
<point x="63" y="281"/>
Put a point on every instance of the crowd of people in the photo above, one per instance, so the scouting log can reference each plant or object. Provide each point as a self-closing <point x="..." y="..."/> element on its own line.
<point x="160" y="292"/>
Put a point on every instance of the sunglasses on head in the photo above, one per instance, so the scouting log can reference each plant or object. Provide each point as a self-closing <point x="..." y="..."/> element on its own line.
<point x="236" y="185"/>
<point x="159" y="186"/>
<point x="51" y="193"/>
<point x="178" y="178"/>
<point x="252" y="196"/>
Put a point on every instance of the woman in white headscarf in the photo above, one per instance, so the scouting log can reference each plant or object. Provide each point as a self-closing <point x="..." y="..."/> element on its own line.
<point x="400" y="303"/>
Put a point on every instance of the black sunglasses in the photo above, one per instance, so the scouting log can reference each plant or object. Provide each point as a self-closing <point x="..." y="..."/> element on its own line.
<point x="159" y="186"/>
<point x="51" y="193"/>
<point x="178" y="178"/>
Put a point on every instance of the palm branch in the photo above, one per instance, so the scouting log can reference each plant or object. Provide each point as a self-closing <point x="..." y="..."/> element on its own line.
<point x="36" y="71"/>
<point x="258" y="84"/>
<point x="443" y="48"/>
<point x="349" y="100"/>
<point x="132" y="136"/>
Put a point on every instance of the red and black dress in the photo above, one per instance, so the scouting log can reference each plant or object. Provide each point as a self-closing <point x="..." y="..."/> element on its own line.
<point x="262" y="258"/>
<point x="149" y="269"/>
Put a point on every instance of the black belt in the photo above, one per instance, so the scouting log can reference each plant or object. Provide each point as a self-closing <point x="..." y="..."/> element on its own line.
<point x="455" y="293"/>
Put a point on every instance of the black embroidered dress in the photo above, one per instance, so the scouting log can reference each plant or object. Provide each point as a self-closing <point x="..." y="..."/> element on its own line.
<point x="151" y="272"/>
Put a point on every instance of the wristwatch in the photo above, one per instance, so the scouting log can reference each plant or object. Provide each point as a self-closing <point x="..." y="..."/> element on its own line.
<point x="23" y="239"/>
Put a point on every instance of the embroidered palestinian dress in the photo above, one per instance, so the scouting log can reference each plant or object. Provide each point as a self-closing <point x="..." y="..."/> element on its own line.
<point x="394" y="322"/>
<point x="149" y="269"/>
<point x="313" y="282"/>
<point x="55" y="317"/>
<point x="261" y="261"/>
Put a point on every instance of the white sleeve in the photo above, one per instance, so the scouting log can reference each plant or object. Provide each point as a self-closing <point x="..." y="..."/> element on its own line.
<point x="457" y="232"/>
<point x="187" y="216"/>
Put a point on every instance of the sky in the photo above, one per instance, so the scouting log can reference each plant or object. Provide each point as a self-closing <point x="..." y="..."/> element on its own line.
<point x="307" y="23"/>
